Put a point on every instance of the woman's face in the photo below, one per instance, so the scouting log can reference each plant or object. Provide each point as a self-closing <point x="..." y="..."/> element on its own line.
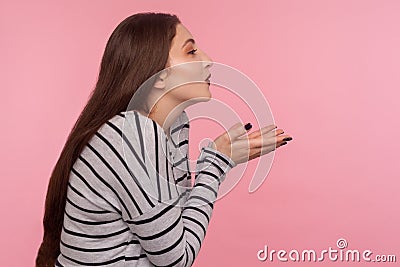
<point x="187" y="70"/>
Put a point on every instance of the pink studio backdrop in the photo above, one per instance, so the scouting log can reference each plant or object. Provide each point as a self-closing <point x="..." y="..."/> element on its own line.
<point x="329" y="70"/>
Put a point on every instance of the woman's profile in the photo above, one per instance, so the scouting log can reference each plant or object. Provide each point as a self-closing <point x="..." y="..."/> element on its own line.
<point x="114" y="203"/>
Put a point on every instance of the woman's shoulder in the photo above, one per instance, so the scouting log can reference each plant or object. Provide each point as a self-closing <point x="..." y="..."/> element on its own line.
<point x="121" y="121"/>
<point x="141" y="124"/>
<point x="138" y="131"/>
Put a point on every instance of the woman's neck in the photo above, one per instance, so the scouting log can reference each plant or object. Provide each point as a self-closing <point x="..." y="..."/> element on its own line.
<point x="165" y="114"/>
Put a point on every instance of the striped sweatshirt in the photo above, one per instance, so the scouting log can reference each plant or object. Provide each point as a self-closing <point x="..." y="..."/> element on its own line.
<point x="130" y="199"/>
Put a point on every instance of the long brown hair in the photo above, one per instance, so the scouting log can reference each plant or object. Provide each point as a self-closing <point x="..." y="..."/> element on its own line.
<point x="137" y="49"/>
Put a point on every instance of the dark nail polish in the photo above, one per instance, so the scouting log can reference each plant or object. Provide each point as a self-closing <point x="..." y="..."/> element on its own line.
<point x="284" y="143"/>
<point x="248" y="126"/>
<point x="287" y="139"/>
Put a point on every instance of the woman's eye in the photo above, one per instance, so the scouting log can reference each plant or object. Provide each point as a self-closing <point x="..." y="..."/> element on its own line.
<point x="192" y="51"/>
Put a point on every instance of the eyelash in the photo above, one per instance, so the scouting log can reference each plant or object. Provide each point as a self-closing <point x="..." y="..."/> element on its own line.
<point x="192" y="51"/>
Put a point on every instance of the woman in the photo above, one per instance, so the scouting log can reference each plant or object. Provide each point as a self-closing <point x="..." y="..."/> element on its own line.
<point x="111" y="203"/>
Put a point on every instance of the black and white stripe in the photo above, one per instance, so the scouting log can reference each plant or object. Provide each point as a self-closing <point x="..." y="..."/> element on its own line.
<point x="130" y="198"/>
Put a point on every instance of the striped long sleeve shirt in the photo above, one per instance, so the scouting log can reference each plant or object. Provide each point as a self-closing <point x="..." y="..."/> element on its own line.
<point x="130" y="199"/>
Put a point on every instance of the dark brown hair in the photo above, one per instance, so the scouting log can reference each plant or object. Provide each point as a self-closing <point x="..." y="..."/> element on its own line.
<point x="137" y="49"/>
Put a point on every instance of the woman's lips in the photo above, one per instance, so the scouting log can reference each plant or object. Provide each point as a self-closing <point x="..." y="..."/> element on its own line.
<point x="208" y="79"/>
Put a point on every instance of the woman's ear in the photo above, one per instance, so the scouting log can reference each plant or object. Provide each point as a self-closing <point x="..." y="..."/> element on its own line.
<point x="161" y="80"/>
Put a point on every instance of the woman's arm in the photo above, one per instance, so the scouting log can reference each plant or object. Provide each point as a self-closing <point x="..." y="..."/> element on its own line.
<point x="172" y="235"/>
<point x="171" y="231"/>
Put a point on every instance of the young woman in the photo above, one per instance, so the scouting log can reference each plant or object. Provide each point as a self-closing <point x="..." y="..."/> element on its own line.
<point x="122" y="196"/>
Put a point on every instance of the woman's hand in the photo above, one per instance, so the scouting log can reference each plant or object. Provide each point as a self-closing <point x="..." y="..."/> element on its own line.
<point x="242" y="147"/>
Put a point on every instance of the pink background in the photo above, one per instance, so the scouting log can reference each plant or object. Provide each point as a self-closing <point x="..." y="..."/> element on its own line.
<point x="330" y="72"/>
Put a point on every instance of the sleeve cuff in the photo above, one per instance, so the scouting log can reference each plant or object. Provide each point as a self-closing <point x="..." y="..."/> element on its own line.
<point x="216" y="160"/>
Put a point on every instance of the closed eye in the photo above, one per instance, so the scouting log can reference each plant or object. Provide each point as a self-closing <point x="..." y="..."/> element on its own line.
<point x="192" y="51"/>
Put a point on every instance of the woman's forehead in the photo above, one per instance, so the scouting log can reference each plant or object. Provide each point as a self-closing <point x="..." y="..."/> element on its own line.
<point x="182" y="36"/>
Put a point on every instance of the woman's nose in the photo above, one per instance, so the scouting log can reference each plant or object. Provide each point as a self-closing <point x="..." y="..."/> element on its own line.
<point x="208" y="60"/>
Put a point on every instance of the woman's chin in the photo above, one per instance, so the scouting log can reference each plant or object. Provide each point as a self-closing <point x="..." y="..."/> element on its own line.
<point x="207" y="96"/>
<point x="201" y="98"/>
<point x="205" y="93"/>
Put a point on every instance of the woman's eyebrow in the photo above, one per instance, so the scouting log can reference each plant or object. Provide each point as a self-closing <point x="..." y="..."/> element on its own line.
<point x="187" y="41"/>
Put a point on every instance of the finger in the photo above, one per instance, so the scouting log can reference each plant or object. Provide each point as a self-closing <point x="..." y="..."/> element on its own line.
<point x="274" y="132"/>
<point x="278" y="131"/>
<point x="265" y="140"/>
<point x="266" y="150"/>
<point x="258" y="142"/>
<point x="281" y="144"/>
<point x="257" y="152"/>
<point x="262" y="131"/>
<point x="236" y="130"/>
<point x="284" y="138"/>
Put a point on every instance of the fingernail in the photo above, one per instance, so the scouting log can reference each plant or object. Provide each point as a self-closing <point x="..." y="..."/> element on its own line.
<point x="287" y="139"/>
<point x="248" y="126"/>
<point x="284" y="143"/>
